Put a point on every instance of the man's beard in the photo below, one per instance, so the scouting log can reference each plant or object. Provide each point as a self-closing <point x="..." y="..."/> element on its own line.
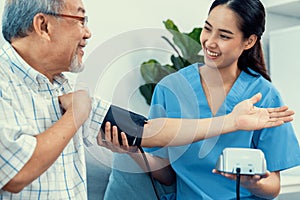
<point x="76" y="66"/>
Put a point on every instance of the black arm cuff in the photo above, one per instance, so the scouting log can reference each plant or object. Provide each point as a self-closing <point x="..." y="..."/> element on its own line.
<point x="130" y="123"/>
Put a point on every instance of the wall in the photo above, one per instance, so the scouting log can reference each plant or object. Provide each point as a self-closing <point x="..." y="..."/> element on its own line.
<point x="282" y="43"/>
<point x="274" y="3"/>
<point x="137" y="27"/>
<point x="283" y="53"/>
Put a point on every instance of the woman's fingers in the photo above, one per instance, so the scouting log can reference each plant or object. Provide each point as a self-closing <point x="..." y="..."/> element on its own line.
<point x="281" y="114"/>
<point x="281" y="109"/>
<point x="256" y="98"/>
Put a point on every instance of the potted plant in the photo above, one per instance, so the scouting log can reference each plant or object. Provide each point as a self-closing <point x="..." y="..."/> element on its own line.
<point x="187" y="48"/>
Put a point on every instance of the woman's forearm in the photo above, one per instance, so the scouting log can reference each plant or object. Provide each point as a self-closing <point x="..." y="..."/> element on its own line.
<point x="173" y="132"/>
<point x="245" y="116"/>
<point x="267" y="188"/>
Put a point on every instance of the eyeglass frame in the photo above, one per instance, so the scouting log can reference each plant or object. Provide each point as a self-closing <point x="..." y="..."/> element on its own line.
<point x="84" y="19"/>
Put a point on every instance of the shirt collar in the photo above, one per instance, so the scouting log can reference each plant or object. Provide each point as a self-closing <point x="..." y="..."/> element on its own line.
<point x="34" y="79"/>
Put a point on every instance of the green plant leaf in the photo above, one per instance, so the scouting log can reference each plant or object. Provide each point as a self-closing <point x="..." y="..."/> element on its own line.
<point x="187" y="53"/>
<point x="195" y="34"/>
<point x="169" y="24"/>
<point x="147" y="91"/>
<point x="179" y="62"/>
<point x="152" y="71"/>
<point x="188" y="46"/>
<point x="188" y="43"/>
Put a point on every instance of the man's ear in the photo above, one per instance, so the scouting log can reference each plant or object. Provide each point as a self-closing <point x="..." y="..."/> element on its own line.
<point x="40" y="25"/>
<point x="249" y="43"/>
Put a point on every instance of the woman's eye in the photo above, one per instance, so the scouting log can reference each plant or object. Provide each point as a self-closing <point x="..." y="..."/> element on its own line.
<point x="224" y="37"/>
<point x="207" y="28"/>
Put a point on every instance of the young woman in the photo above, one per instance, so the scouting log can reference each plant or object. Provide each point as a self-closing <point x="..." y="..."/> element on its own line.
<point x="234" y="70"/>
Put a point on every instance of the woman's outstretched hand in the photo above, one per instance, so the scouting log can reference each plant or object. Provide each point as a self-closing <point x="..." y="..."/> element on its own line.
<point x="249" y="117"/>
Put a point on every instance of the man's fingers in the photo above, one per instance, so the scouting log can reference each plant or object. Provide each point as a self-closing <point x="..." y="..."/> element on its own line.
<point x="108" y="132"/>
<point x="115" y="138"/>
<point x="99" y="138"/>
<point x="124" y="140"/>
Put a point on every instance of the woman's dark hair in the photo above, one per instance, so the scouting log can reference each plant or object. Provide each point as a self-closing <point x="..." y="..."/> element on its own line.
<point x="251" y="20"/>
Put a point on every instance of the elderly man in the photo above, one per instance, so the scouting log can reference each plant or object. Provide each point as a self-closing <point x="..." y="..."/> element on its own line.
<point x="42" y="157"/>
<point x="44" y="124"/>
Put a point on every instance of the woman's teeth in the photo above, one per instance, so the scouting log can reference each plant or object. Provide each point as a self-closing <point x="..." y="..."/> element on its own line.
<point x="210" y="53"/>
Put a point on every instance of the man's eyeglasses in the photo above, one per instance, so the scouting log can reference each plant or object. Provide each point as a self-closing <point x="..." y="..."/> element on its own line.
<point x="83" y="20"/>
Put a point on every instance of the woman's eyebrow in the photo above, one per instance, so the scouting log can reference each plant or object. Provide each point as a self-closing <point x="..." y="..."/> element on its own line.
<point x="222" y="30"/>
<point x="206" y="22"/>
<point x="226" y="31"/>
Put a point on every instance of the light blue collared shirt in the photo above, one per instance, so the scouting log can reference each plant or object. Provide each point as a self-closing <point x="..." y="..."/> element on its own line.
<point x="28" y="106"/>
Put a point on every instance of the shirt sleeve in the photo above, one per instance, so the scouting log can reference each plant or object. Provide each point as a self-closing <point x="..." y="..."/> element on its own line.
<point x="279" y="144"/>
<point x="17" y="142"/>
<point x="92" y="126"/>
<point x="158" y="110"/>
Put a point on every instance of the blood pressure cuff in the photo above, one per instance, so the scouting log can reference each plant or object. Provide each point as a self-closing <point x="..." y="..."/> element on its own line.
<point x="132" y="124"/>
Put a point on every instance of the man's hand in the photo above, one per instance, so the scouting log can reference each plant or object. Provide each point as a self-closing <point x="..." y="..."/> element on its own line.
<point x="79" y="103"/>
<point x="110" y="140"/>
<point x="249" y="117"/>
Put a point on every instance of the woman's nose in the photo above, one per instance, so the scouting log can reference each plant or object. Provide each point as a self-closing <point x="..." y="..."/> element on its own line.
<point x="211" y="41"/>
